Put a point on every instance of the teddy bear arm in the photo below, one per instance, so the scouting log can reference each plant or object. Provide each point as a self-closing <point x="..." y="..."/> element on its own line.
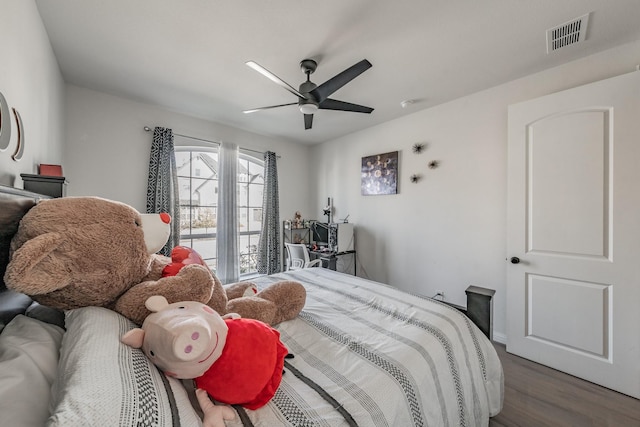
<point x="254" y="308"/>
<point x="276" y="303"/>
<point x="192" y="283"/>
<point x="240" y="289"/>
<point x="158" y="262"/>
<point x="288" y="297"/>
<point x="218" y="301"/>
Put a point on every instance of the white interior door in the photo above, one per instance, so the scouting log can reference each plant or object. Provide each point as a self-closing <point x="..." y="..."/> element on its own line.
<point x="574" y="224"/>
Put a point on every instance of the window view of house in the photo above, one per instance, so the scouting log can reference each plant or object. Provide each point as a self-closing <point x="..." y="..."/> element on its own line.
<point x="197" y="172"/>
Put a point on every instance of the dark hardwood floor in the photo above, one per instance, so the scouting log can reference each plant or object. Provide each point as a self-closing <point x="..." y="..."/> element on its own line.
<point x="538" y="396"/>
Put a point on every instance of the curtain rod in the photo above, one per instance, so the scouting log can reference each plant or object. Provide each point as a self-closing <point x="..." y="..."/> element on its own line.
<point x="148" y="129"/>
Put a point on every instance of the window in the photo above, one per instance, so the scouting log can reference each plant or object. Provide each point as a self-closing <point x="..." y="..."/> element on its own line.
<point x="198" y="186"/>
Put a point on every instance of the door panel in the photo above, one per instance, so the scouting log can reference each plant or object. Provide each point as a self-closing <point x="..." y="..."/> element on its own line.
<point x="559" y="222"/>
<point x="587" y="330"/>
<point x="574" y="221"/>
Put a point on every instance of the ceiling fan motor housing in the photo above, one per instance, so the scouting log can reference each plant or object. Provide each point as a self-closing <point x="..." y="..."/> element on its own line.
<point x="308" y="103"/>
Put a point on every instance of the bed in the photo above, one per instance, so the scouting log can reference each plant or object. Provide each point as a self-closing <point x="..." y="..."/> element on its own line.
<point x="365" y="354"/>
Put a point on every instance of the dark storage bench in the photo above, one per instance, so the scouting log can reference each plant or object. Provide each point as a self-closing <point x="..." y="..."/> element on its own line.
<point x="54" y="186"/>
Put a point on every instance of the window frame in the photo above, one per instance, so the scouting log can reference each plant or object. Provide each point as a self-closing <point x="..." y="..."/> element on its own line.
<point x="247" y="256"/>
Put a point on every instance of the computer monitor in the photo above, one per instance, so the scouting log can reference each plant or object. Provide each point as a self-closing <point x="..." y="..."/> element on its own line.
<point x="320" y="233"/>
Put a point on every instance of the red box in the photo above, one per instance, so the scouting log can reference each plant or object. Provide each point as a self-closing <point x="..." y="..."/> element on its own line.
<point x="50" y="170"/>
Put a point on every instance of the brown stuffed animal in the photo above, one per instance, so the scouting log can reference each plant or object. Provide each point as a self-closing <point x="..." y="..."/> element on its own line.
<point x="87" y="251"/>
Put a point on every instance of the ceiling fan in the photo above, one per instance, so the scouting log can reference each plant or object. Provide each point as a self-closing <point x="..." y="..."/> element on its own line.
<point x="312" y="97"/>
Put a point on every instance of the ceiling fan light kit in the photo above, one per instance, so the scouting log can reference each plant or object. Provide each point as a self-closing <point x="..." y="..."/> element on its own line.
<point x="308" y="108"/>
<point x="312" y="97"/>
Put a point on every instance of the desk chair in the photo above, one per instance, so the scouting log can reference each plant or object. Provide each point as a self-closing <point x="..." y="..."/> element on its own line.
<point x="298" y="257"/>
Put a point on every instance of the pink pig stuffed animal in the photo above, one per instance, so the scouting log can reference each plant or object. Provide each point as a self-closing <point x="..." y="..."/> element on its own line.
<point x="236" y="361"/>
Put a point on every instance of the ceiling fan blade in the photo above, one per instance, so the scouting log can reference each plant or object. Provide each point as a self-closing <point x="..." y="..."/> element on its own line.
<point x="308" y="121"/>
<point x="334" y="104"/>
<point x="325" y="90"/>
<point x="259" y="68"/>
<point x="253" y="110"/>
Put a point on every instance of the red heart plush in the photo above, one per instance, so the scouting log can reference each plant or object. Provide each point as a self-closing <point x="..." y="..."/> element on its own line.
<point x="181" y="256"/>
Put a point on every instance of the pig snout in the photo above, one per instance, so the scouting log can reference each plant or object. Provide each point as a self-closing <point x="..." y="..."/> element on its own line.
<point x="192" y="342"/>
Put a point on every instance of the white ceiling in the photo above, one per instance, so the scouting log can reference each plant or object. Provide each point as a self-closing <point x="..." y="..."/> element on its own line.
<point x="189" y="55"/>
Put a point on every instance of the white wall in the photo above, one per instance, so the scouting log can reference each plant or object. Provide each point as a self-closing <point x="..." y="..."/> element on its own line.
<point x="448" y="231"/>
<point x="107" y="150"/>
<point x="31" y="82"/>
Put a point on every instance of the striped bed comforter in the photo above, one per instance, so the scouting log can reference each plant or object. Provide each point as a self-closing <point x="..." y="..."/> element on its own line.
<point x="368" y="354"/>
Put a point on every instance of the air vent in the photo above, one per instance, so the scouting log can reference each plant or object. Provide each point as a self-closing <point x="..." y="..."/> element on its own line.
<point x="572" y="32"/>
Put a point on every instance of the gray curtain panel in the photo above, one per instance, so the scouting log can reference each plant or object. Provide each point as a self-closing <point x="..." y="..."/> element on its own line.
<point x="162" y="186"/>
<point x="228" y="270"/>
<point x="269" y="244"/>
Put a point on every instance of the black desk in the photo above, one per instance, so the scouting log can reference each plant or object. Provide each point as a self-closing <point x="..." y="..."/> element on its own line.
<point x="329" y="258"/>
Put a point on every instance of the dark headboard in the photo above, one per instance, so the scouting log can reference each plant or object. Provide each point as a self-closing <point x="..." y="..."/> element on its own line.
<point x="14" y="204"/>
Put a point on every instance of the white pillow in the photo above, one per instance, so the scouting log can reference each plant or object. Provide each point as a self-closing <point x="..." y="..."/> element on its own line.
<point x="28" y="363"/>
<point x="103" y="382"/>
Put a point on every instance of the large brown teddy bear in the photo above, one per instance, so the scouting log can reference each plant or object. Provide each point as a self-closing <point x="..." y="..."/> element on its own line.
<point x="75" y="252"/>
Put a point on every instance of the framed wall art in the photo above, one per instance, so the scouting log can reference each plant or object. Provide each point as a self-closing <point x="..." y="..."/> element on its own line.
<point x="380" y="174"/>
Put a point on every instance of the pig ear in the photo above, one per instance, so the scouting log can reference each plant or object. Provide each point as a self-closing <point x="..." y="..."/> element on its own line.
<point x="156" y="303"/>
<point x="133" y="338"/>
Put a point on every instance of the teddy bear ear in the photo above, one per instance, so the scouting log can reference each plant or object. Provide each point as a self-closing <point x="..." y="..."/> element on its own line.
<point x="35" y="268"/>
<point x="134" y="338"/>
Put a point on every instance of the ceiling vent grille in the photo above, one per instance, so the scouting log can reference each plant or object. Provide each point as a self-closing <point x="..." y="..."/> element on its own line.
<point x="569" y="33"/>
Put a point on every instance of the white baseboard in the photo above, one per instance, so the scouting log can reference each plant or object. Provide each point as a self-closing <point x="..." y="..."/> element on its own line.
<point x="499" y="337"/>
